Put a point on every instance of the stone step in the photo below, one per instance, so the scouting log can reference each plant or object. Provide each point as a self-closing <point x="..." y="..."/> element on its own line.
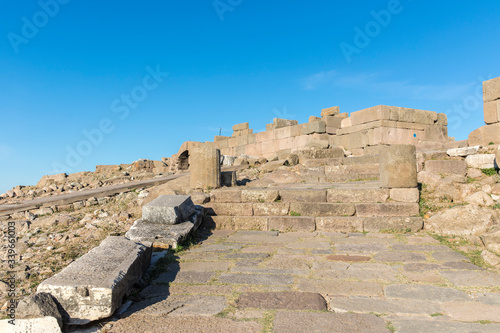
<point x="311" y="223"/>
<point x="312" y="209"/>
<point x="292" y="195"/>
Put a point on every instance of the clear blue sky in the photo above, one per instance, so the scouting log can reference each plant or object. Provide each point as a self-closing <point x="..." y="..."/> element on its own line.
<point x="228" y="61"/>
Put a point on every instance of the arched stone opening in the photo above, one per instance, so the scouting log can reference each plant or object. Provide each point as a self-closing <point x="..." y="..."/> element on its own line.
<point x="184" y="161"/>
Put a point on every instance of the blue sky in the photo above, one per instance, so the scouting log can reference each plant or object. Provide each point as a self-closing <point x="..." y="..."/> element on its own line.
<point x="67" y="70"/>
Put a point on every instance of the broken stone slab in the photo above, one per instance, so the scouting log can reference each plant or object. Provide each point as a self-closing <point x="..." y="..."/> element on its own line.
<point x="481" y="161"/>
<point x="465" y="151"/>
<point x="92" y="287"/>
<point x="164" y="236"/>
<point x="34" y="325"/>
<point x="334" y="110"/>
<point x="291" y="300"/>
<point x="168" y="209"/>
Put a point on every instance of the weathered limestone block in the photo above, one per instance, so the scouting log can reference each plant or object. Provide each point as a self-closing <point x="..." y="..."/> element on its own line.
<point x="259" y="195"/>
<point x="465" y="151"/>
<point x="334" y="122"/>
<point x="334" y="110"/>
<point x="229" y="209"/>
<point x="269" y="127"/>
<point x="226" y="195"/>
<point x="323" y="209"/>
<point x="317" y="126"/>
<point x="313" y="118"/>
<point x="219" y="222"/>
<point x="334" y="152"/>
<point x="168" y="209"/>
<point x="47" y="180"/>
<point x="491" y="90"/>
<point x="492" y="112"/>
<point x="250" y="223"/>
<point x="398" y="166"/>
<point x="93" y="286"/>
<point x="339" y="224"/>
<point x="271" y="209"/>
<point x="291" y="223"/>
<point x="462" y="221"/>
<point x="205" y="168"/>
<point x="384" y="112"/>
<point x="346" y="122"/>
<point x="303" y="195"/>
<point x="484" y="135"/>
<point x="387" y="209"/>
<point x="278" y="122"/>
<point x="358" y="195"/>
<point x="447" y="167"/>
<point x="491" y="240"/>
<point x="38" y="305"/>
<point x="241" y="127"/>
<point x="377" y="224"/>
<point x="405" y="194"/>
<point x="245" y="132"/>
<point x="442" y="119"/>
<point x="481" y="161"/>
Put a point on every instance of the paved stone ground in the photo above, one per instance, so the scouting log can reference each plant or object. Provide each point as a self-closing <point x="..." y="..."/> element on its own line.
<point x="258" y="281"/>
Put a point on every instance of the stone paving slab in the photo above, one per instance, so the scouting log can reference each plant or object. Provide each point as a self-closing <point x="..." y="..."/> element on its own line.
<point x="247" y="280"/>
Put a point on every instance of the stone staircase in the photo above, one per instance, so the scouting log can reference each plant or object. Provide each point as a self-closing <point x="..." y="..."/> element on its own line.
<point x="333" y="207"/>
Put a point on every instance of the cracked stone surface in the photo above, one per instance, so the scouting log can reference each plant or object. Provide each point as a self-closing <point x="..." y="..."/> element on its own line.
<point x="252" y="281"/>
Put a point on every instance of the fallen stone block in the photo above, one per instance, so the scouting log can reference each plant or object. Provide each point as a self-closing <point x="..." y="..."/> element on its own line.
<point x="292" y="223"/>
<point x="491" y="90"/>
<point x="481" y="161"/>
<point x="463" y="151"/>
<point x="168" y="209"/>
<point x="34" y="325"/>
<point x="39" y="305"/>
<point x="387" y="209"/>
<point x="165" y="236"/>
<point x="447" y="167"/>
<point x="204" y="166"/>
<point x="93" y="286"/>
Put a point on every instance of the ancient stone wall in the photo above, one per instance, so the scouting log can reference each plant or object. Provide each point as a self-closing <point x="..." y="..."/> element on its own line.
<point x="490" y="133"/>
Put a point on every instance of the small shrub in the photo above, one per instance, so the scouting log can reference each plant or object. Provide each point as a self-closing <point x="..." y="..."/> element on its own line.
<point x="489" y="172"/>
<point x="292" y="213"/>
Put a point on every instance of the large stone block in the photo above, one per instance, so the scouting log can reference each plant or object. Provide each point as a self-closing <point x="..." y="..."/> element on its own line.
<point x="93" y="286"/>
<point x="446" y="167"/>
<point x="400" y="224"/>
<point x="334" y="122"/>
<point x="398" y="166"/>
<point x="464" y="151"/>
<point x="292" y="223"/>
<point x="219" y="222"/>
<point x="271" y="209"/>
<point x="259" y="195"/>
<point x="339" y="224"/>
<point x="278" y="122"/>
<point x="205" y="168"/>
<point x="334" y="110"/>
<point x="303" y="195"/>
<point x="323" y="209"/>
<point x="484" y="135"/>
<point x="334" y="152"/>
<point x="384" y="112"/>
<point x="317" y="126"/>
<point x="241" y="127"/>
<point x="32" y="325"/>
<point x="358" y="195"/>
<point x="405" y="194"/>
<point x="387" y="210"/>
<point x="250" y="223"/>
<point x="481" y="161"/>
<point x="492" y="112"/>
<point x="229" y="209"/>
<point x="168" y="209"/>
<point x="491" y="90"/>
<point x="226" y="195"/>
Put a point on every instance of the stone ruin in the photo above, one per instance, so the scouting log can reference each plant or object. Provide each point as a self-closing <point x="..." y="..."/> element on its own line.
<point x="384" y="137"/>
